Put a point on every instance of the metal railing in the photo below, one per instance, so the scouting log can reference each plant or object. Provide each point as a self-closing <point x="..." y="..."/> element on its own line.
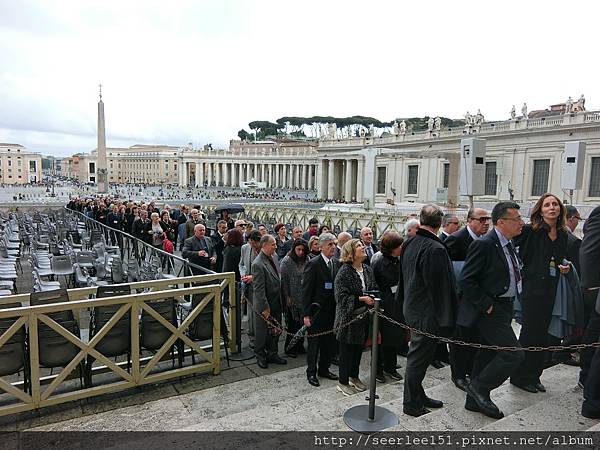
<point x="42" y="390"/>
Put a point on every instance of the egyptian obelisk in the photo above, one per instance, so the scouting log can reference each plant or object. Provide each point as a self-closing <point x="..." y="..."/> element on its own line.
<point x="101" y="169"/>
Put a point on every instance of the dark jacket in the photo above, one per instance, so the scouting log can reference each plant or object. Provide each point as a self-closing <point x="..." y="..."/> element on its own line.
<point x="231" y="259"/>
<point x="573" y="246"/>
<point x="219" y="245"/>
<point x="589" y="253"/>
<point x="458" y="243"/>
<point x="266" y="285"/>
<point x="348" y="287"/>
<point x="114" y="220"/>
<point x="427" y="283"/>
<point x="318" y="287"/>
<point x="368" y="259"/>
<point x="386" y="271"/>
<point x="138" y="228"/>
<point x="192" y="246"/>
<point x="485" y="276"/>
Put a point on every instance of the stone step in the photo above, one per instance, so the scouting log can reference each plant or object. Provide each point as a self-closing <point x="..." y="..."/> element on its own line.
<point x="561" y="412"/>
<point x="595" y="427"/>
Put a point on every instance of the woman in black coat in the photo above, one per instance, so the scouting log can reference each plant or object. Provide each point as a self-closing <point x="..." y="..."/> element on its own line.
<point x="542" y="246"/>
<point x="386" y="270"/>
<point x="352" y="280"/>
<point x="232" y="254"/>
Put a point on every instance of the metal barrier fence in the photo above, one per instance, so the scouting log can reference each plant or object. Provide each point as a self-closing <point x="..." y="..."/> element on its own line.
<point x="41" y="391"/>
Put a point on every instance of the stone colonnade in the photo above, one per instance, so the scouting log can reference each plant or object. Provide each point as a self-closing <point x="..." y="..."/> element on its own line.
<point x="302" y="176"/>
<point x="341" y="179"/>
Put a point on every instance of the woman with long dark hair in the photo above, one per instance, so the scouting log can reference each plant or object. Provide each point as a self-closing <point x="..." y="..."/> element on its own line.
<point x="542" y="247"/>
<point x="291" y="270"/>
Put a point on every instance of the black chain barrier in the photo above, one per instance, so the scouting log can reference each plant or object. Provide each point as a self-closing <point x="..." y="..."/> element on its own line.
<point x="274" y="324"/>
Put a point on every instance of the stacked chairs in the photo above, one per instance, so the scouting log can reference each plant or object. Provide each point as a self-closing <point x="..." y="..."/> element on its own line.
<point x="117" y="341"/>
<point x="54" y="349"/>
<point x="13" y="354"/>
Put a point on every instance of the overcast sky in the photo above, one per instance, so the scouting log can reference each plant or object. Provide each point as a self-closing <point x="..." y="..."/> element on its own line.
<point x="198" y="71"/>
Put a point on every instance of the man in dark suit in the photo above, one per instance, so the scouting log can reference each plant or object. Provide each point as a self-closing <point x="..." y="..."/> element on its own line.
<point x="317" y="287"/>
<point x="267" y="300"/>
<point x="462" y="357"/>
<point x="313" y="229"/>
<point x="199" y="250"/>
<point x="429" y="290"/>
<point x="450" y="225"/>
<point x="490" y="282"/>
<point x="219" y="244"/>
<point x="589" y="255"/>
<point x="366" y="236"/>
<point x="342" y="238"/>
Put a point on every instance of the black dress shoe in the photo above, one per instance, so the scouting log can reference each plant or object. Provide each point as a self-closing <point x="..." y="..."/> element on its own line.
<point x="479" y="402"/>
<point x="329" y="375"/>
<point x="437" y="364"/>
<point x="277" y="360"/>
<point x="415" y="412"/>
<point x="262" y="363"/>
<point x="393" y="374"/>
<point x="540" y="387"/>
<point x="432" y="403"/>
<point x="380" y="377"/>
<point x="461" y="383"/>
<point x="313" y="380"/>
<point x="292" y="354"/>
<point x="526" y="387"/>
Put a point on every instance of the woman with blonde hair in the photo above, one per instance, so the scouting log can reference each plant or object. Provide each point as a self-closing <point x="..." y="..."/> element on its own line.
<point x="352" y="280"/>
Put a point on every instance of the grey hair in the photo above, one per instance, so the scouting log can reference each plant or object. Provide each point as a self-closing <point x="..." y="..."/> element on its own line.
<point x="326" y="237"/>
<point x="410" y="223"/>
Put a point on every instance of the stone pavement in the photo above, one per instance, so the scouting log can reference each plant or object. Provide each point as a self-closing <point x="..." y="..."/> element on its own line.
<point x="247" y="398"/>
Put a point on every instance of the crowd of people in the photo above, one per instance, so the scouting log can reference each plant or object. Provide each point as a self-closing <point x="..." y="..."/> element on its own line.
<point x="466" y="283"/>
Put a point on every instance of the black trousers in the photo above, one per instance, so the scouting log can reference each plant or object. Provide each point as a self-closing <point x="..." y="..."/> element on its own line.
<point x="266" y="342"/>
<point x="420" y="354"/>
<point x="462" y="357"/>
<point x="320" y="348"/>
<point x="492" y="368"/>
<point x="349" y="361"/>
<point x="386" y="358"/>
<point x="591" y="390"/>
<point x="590" y="335"/>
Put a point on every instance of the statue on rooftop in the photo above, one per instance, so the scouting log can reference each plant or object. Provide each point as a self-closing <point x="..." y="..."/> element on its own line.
<point x="569" y="105"/>
<point x="430" y="124"/>
<point x="468" y="119"/>
<point x="524" y="111"/>
<point x="403" y="127"/>
<point x="579" y="106"/>
<point x="395" y="129"/>
<point x="513" y="113"/>
<point x="437" y="124"/>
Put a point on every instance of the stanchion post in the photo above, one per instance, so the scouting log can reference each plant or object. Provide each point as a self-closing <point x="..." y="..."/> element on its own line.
<point x="370" y="418"/>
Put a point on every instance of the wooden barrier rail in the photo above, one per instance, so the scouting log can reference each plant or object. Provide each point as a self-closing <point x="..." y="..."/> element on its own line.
<point x="143" y="370"/>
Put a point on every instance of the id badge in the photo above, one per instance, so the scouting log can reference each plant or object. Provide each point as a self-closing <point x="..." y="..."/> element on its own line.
<point x="394" y="289"/>
<point x="328" y="285"/>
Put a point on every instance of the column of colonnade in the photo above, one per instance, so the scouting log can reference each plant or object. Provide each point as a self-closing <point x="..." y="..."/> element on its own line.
<point x="276" y="175"/>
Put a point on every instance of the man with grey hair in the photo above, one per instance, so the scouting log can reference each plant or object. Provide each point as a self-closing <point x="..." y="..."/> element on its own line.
<point x="429" y="296"/>
<point x="342" y="238"/>
<point x="366" y="236"/>
<point x="296" y="234"/>
<point x="194" y="220"/>
<point x="319" y="309"/>
<point x="450" y="224"/>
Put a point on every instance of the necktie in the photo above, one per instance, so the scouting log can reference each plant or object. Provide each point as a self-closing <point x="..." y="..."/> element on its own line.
<point x="513" y="259"/>
<point x="369" y="252"/>
<point x="330" y="265"/>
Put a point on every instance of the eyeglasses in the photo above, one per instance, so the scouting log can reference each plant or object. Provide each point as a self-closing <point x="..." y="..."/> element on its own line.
<point x="452" y="223"/>
<point x="482" y="219"/>
<point x="518" y="218"/>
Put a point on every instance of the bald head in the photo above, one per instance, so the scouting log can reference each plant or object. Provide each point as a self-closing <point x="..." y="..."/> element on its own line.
<point x="199" y="230"/>
<point x="343" y="237"/>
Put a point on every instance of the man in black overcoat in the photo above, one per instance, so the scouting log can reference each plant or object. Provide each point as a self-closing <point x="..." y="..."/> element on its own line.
<point x="589" y="256"/>
<point x="317" y="288"/>
<point x="428" y="286"/>
<point x="462" y="357"/>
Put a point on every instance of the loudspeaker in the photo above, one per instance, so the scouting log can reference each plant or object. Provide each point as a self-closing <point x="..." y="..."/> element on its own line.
<point x="573" y="159"/>
<point x="472" y="166"/>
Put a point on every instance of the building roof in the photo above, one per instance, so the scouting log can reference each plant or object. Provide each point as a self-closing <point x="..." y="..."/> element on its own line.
<point x="2" y="144"/>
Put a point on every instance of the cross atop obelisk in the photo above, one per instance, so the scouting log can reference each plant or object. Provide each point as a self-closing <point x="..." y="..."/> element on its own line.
<point x="102" y="172"/>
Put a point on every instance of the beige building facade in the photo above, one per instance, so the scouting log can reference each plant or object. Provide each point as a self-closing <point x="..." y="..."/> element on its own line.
<point x="19" y="165"/>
